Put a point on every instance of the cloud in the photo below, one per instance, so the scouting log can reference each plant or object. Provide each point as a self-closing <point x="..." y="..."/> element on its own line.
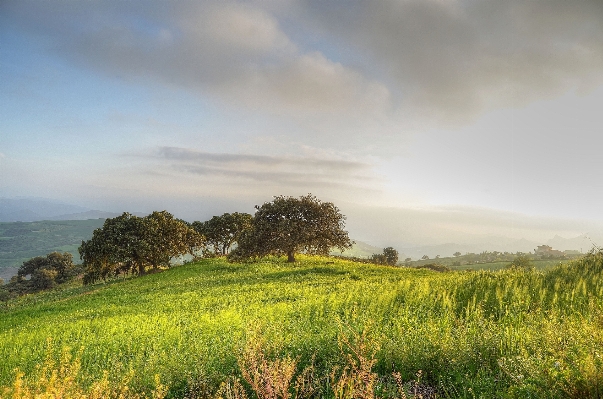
<point x="235" y="52"/>
<point x="454" y="60"/>
<point x="338" y="73"/>
<point x="284" y="171"/>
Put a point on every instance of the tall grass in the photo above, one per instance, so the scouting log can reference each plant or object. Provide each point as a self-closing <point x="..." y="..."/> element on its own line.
<point x="467" y="334"/>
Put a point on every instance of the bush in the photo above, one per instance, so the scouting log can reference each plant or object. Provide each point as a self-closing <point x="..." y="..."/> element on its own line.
<point x="522" y="262"/>
<point x="435" y="267"/>
<point x="388" y="257"/>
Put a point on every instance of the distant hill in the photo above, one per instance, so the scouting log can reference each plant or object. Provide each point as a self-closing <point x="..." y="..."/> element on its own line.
<point x="363" y="250"/>
<point x="582" y="243"/>
<point x="20" y="241"/>
<point x="33" y="209"/>
<point x="87" y="215"/>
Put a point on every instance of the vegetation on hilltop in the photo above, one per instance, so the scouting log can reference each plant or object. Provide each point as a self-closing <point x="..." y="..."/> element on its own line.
<point x="289" y="225"/>
<point x="509" y="334"/>
<point x="40" y="273"/>
<point x="222" y="232"/>
<point x="268" y="329"/>
<point x="22" y="241"/>
<point x="388" y="257"/>
<point x="130" y="244"/>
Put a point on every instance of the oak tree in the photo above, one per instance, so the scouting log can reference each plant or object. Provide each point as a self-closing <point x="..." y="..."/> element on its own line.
<point x="390" y="255"/>
<point x="222" y="232"/>
<point x="289" y="225"/>
<point x="129" y="243"/>
<point x="42" y="272"/>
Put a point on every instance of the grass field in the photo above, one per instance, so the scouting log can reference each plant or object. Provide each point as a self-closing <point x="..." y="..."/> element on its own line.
<point x="508" y="334"/>
<point x="539" y="264"/>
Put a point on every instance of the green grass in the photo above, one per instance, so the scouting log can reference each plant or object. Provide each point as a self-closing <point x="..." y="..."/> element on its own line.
<point x="507" y="334"/>
<point x="539" y="264"/>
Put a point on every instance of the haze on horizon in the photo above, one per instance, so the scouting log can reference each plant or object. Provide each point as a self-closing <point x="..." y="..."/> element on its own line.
<point x="425" y="121"/>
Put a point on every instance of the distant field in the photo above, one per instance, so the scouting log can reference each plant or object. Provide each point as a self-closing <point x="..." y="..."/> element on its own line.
<point x="20" y="241"/>
<point x="494" y="266"/>
<point x="508" y="334"/>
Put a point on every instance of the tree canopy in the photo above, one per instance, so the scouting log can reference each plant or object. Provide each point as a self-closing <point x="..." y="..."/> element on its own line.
<point x="129" y="243"/>
<point x="222" y="232"/>
<point x="289" y="225"/>
<point x="41" y="273"/>
<point x="388" y="257"/>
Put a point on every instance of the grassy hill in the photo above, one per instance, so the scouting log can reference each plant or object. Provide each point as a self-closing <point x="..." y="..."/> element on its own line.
<point x="508" y="334"/>
<point x="20" y="241"/>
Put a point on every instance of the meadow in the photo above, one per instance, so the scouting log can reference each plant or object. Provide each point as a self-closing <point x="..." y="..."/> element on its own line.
<point x="480" y="334"/>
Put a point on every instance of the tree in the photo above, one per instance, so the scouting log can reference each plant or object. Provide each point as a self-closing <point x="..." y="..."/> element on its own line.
<point x="456" y="254"/>
<point x="290" y="225"/>
<point x="388" y="257"/>
<point x="113" y="248"/>
<point x="425" y="257"/>
<point x="379" y="259"/>
<point x="42" y="272"/>
<point x="128" y="243"/>
<point x="43" y="279"/>
<point x="164" y="237"/>
<point x="4" y="295"/>
<point x="391" y="256"/>
<point x="222" y="232"/>
<point x="521" y="262"/>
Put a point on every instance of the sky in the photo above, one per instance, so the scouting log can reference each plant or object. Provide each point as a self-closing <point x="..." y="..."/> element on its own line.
<point x="424" y="121"/>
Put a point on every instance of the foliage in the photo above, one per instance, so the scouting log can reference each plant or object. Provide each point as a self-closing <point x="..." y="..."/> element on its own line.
<point x="222" y="232"/>
<point x="435" y="267"/>
<point x="507" y="334"/>
<point x="289" y="225"/>
<point x="356" y="380"/>
<point x="521" y="262"/>
<point x="130" y="244"/>
<point x="21" y="241"/>
<point x="388" y="257"/>
<point x="57" y="379"/>
<point x="268" y="378"/>
<point x="61" y="264"/>
<point x="41" y="273"/>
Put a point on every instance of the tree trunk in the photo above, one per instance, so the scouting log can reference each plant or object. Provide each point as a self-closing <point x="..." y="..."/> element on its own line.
<point x="290" y="256"/>
<point x="141" y="269"/>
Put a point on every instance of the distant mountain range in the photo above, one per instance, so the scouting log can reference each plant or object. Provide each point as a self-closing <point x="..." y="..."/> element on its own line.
<point x="581" y="243"/>
<point x="41" y="209"/>
<point x="36" y="209"/>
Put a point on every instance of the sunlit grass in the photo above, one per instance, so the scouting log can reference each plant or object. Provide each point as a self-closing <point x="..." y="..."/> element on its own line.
<point x="471" y="334"/>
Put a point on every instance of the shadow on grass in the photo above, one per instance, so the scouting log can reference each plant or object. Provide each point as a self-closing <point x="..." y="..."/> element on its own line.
<point x="319" y="270"/>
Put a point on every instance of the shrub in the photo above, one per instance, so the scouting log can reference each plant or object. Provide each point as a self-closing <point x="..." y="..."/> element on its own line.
<point x="434" y="266"/>
<point x="522" y="262"/>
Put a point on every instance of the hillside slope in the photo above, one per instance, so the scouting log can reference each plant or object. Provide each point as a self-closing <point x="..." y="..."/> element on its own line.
<point x="468" y="333"/>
